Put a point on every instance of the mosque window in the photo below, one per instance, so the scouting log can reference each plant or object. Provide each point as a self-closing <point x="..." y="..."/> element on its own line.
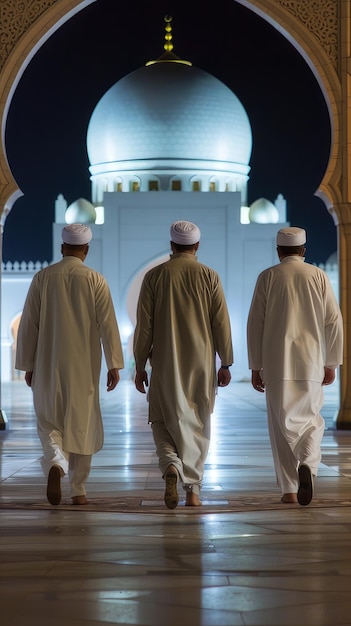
<point x="119" y="186"/>
<point x="153" y="185"/>
<point x="135" y="185"/>
<point x="176" y="185"/>
<point x="227" y="187"/>
<point x="196" y="185"/>
<point x="212" y="185"/>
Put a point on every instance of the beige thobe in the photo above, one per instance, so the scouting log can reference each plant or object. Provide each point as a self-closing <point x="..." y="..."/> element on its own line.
<point x="182" y="322"/>
<point x="294" y="330"/>
<point x="68" y="313"/>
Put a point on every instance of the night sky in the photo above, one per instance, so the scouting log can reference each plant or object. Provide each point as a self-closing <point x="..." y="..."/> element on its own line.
<point x="51" y="108"/>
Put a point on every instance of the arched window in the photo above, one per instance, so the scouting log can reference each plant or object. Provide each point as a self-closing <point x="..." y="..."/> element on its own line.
<point x="153" y="185"/>
<point x="176" y="185"/>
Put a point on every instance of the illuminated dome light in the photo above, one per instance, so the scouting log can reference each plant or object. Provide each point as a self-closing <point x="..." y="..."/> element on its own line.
<point x="262" y="211"/>
<point x="168" y="119"/>
<point x="244" y="215"/>
<point x="100" y="214"/>
<point x="81" y="211"/>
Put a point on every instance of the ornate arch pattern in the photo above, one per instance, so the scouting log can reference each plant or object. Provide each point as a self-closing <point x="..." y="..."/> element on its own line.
<point x="24" y="27"/>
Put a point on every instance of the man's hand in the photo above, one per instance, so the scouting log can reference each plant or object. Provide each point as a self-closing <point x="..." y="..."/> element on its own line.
<point x="329" y="376"/>
<point x="112" y="379"/>
<point x="223" y="377"/>
<point x="257" y="381"/>
<point x="28" y="378"/>
<point x="141" y="381"/>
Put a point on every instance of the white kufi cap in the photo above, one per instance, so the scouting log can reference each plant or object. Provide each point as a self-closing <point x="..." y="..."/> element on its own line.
<point x="76" y="234"/>
<point x="291" y="236"/>
<point x="185" y="233"/>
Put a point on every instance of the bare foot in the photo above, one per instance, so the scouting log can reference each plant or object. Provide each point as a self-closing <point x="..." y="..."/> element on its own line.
<point x="289" y="498"/>
<point x="192" y="499"/>
<point x="79" y="500"/>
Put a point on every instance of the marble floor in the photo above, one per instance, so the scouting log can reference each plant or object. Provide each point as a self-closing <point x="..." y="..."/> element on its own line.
<point x="243" y="558"/>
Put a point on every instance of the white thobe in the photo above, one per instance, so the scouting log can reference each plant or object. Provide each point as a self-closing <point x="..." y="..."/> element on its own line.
<point x="294" y="331"/>
<point x="67" y="315"/>
<point x="182" y="322"/>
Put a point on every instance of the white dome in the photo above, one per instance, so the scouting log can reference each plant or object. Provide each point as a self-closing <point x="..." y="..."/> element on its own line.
<point x="263" y="211"/>
<point x="164" y="115"/>
<point x="81" y="211"/>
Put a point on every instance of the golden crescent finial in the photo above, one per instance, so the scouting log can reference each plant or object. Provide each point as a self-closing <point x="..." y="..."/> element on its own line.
<point x="168" y="56"/>
<point x="168" y="36"/>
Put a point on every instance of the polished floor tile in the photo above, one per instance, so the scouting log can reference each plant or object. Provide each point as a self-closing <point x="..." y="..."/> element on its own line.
<point x="243" y="558"/>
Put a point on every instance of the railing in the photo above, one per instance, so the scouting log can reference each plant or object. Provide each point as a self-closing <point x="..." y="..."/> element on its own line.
<point x="23" y="267"/>
<point x="30" y="266"/>
<point x="328" y="267"/>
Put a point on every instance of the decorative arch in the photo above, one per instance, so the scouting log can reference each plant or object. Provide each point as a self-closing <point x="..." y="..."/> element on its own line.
<point x="24" y="28"/>
<point x="314" y="29"/>
<point x="320" y="31"/>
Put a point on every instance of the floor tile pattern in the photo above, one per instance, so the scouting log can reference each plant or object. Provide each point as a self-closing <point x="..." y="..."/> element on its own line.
<point x="243" y="558"/>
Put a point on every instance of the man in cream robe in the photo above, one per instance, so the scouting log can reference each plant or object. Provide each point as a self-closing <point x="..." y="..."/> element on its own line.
<point x="68" y="313"/>
<point x="294" y="344"/>
<point x="182" y="322"/>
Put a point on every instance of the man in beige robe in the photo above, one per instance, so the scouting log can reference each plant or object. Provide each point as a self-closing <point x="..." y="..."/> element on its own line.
<point x="295" y="344"/>
<point x="182" y="323"/>
<point x="68" y="313"/>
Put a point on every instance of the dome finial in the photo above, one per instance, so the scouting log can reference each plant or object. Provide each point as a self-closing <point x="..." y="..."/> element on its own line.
<point x="168" y="36"/>
<point x="168" y="56"/>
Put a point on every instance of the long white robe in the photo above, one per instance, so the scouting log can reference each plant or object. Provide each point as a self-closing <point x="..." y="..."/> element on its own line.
<point x="182" y="322"/>
<point x="68" y="313"/>
<point x="294" y="330"/>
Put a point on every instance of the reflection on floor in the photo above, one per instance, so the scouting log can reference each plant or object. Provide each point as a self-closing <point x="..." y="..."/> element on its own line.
<point x="243" y="558"/>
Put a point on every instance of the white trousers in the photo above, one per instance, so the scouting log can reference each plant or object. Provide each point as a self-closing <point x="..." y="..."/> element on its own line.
<point x="76" y="465"/>
<point x="295" y="428"/>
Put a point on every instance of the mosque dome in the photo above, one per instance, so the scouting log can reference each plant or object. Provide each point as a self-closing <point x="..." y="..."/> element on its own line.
<point x="81" y="211"/>
<point x="262" y="211"/>
<point x="169" y="111"/>
<point x="168" y="117"/>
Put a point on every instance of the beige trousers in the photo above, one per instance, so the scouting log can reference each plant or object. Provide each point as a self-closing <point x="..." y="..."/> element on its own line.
<point x="187" y="453"/>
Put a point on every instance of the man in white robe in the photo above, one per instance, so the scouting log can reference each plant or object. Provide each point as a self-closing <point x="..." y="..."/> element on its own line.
<point x="182" y="323"/>
<point x="295" y="342"/>
<point x="67" y="314"/>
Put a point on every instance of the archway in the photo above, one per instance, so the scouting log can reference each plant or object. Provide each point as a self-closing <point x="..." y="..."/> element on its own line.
<point x="131" y="305"/>
<point x="323" y="39"/>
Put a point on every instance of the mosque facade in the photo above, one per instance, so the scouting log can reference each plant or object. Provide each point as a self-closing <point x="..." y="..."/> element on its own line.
<point x="167" y="142"/>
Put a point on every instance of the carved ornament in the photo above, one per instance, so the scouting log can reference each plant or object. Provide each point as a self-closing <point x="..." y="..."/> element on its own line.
<point x="320" y="17"/>
<point x="16" y="17"/>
